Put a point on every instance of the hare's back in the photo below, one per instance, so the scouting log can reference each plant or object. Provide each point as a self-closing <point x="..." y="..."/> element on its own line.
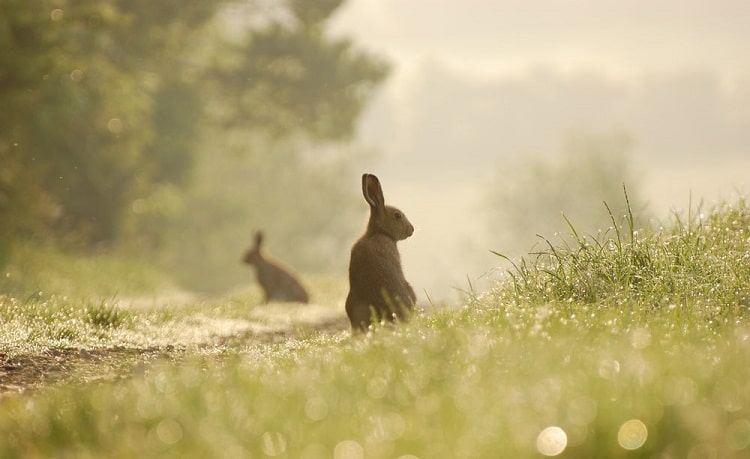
<point x="280" y="282"/>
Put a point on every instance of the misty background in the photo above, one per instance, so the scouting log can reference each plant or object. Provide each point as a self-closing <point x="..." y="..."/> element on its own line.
<point x="500" y="114"/>
<point x="173" y="130"/>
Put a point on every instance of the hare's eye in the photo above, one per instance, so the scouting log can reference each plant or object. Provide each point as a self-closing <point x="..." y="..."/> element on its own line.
<point x="397" y="215"/>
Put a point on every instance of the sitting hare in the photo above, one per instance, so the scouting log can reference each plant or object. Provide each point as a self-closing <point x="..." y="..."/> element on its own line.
<point x="377" y="287"/>
<point x="278" y="283"/>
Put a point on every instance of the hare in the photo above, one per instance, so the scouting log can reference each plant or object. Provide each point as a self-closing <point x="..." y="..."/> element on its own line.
<point x="377" y="287"/>
<point x="277" y="282"/>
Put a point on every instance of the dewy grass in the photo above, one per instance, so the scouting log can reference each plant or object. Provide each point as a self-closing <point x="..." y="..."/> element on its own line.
<point x="465" y="383"/>
<point x="39" y="322"/>
<point x="704" y="263"/>
<point x="634" y="345"/>
<point x="105" y="314"/>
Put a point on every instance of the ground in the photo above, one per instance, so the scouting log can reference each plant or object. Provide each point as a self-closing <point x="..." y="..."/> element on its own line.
<point x="200" y="333"/>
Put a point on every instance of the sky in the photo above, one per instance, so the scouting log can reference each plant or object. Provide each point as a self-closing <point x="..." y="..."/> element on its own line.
<point x="477" y="83"/>
<point x="488" y="37"/>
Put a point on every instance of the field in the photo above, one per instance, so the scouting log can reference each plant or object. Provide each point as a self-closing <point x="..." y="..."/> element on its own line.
<point x="626" y="343"/>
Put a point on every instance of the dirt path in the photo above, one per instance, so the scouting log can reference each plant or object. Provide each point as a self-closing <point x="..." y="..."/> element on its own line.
<point x="199" y="333"/>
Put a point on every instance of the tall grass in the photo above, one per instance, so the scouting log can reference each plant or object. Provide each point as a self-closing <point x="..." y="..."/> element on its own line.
<point x="701" y="263"/>
<point x="629" y="344"/>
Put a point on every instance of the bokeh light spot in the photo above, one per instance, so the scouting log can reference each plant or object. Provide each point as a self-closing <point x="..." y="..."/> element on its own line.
<point x="632" y="434"/>
<point x="274" y="443"/>
<point x="316" y="408"/>
<point x="76" y="75"/>
<point x="377" y="387"/>
<point x="169" y="431"/>
<point x="640" y="338"/>
<point x="609" y="368"/>
<point x="551" y="441"/>
<point x="115" y="125"/>
<point x="348" y="449"/>
<point x="738" y="435"/>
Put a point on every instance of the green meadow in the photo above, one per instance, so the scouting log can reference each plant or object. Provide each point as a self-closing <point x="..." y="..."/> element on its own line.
<point x="631" y="342"/>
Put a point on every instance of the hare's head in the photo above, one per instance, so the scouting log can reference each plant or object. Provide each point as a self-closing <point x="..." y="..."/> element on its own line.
<point x="383" y="219"/>
<point x="253" y="255"/>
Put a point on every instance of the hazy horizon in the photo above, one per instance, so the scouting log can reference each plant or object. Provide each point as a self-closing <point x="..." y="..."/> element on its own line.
<point x="480" y="84"/>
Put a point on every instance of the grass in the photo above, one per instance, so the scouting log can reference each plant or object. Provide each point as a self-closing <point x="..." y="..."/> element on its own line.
<point x="629" y="343"/>
<point x="36" y="268"/>
<point x="698" y="263"/>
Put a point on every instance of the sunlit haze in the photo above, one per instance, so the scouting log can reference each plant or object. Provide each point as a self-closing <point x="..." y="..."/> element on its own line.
<point x="491" y="37"/>
<point x="482" y="84"/>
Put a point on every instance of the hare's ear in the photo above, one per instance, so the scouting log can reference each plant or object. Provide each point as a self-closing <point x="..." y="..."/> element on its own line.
<point x="258" y="239"/>
<point x="372" y="191"/>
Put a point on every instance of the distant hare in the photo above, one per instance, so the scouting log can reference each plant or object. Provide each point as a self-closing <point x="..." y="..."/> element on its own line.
<point x="277" y="282"/>
<point x="377" y="287"/>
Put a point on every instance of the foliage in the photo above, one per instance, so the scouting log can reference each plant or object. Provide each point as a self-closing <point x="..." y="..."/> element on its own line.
<point x="80" y="83"/>
<point x="301" y="80"/>
<point x="107" y="105"/>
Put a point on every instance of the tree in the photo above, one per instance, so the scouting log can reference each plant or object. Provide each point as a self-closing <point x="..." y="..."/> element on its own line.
<point x="80" y="85"/>
<point x="287" y="78"/>
<point x="106" y="103"/>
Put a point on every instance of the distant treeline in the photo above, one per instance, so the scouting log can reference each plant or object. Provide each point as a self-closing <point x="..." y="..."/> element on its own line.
<point x="111" y="106"/>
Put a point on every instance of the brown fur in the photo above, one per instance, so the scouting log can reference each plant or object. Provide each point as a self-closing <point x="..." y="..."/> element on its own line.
<point x="277" y="282"/>
<point x="377" y="286"/>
